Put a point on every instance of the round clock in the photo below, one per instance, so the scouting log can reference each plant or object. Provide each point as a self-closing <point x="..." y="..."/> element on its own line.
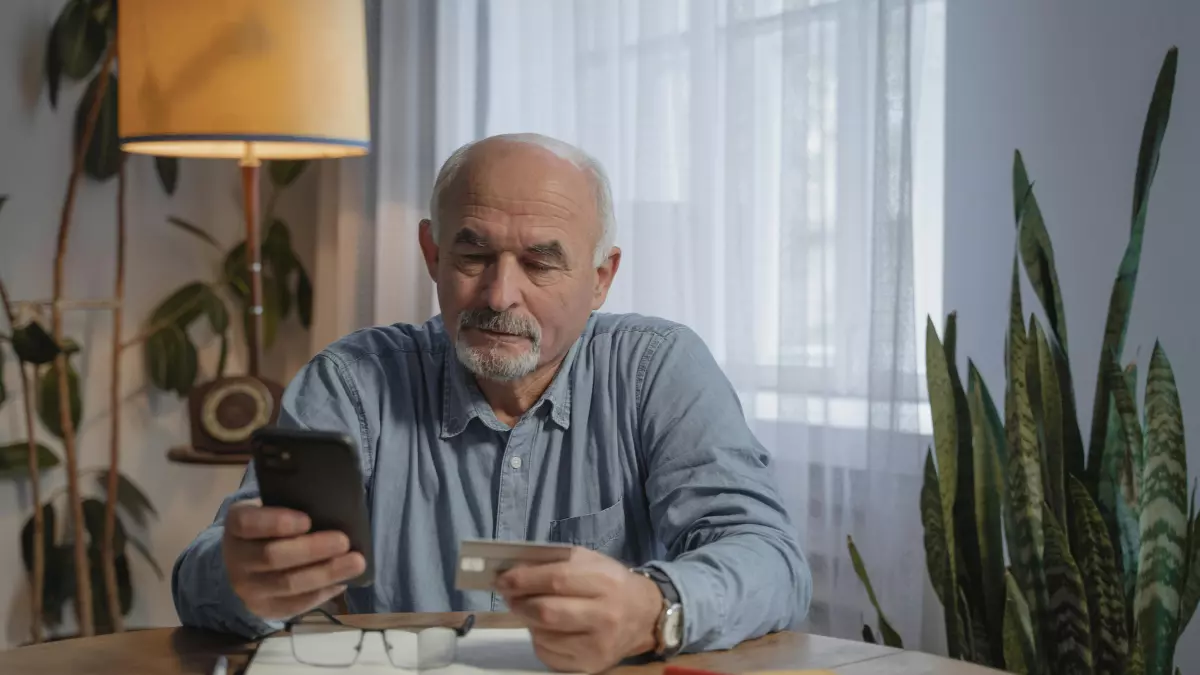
<point x="233" y="409"/>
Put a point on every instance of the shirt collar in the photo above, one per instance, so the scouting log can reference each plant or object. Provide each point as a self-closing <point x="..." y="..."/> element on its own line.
<point x="462" y="400"/>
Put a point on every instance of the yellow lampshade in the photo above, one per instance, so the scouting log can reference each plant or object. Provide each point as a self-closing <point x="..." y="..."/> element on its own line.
<point x="204" y="78"/>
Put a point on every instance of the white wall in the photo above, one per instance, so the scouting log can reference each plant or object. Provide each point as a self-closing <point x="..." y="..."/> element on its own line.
<point x="34" y="163"/>
<point x="1068" y="82"/>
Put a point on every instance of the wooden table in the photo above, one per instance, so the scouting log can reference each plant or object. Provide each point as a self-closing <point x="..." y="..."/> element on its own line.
<point x="172" y="651"/>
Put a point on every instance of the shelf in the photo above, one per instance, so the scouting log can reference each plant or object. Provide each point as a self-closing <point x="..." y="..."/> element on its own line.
<point x="185" y="454"/>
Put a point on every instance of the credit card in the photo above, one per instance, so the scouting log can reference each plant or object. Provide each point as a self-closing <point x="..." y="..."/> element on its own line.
<point x="480" y="560"/>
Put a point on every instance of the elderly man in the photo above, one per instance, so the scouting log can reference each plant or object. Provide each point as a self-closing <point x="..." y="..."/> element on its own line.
<point x="521" y="413"/>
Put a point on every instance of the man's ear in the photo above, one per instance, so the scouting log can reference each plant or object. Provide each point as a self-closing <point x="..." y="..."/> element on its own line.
<point x="429" y="247"/>
<point x="604" y="277"/>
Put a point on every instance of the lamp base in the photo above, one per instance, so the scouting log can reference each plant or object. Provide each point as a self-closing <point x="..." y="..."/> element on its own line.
<point x="225" y="412"/>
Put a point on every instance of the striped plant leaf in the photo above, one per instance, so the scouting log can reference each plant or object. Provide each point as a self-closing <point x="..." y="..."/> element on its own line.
<point x="1191" y="587"/>
<point x="945" y="437"/>
<point x="1094" y="553"/>
<point x="1121" y="300"/>
<point x="1129" y="533"/>
<point x="968" y="561"/>
<point x="1036" y="250"/>
<point x="890" y="637"/>
<point x="1130" y="464"/>
<point x="990" y="502"/>
<point x="1024" y="468"/>
<point x="1045" y="397"/>
<point x="1137" y="659"/>
<point x="937" y="558"/>
<point x="1163" y="521"/>
<point x="1070" y="624"/>
<point x="1020" y="655"/>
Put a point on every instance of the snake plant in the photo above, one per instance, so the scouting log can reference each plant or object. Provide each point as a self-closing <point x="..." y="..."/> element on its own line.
<point x="1049" y="554"/>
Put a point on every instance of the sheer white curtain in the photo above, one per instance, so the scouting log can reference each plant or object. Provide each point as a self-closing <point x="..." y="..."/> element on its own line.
<point x="773" y="163"/>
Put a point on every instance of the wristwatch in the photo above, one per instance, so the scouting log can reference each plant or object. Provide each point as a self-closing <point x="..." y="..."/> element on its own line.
<point x="669" y="628"/>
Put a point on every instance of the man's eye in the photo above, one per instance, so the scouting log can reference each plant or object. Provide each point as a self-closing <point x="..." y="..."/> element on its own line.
<point x="539" y="266"/>
<point x="477" y="258"/>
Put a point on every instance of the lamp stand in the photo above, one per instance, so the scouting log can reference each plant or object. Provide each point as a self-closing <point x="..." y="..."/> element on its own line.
<point x="250" y="179"/>
<point x="225" y="411"/>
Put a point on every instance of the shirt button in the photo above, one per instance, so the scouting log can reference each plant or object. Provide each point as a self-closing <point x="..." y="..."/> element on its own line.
<point x="515" y="462"/>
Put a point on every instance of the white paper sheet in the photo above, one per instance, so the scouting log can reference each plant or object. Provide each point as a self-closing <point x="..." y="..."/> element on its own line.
<point x="483" y="650"/>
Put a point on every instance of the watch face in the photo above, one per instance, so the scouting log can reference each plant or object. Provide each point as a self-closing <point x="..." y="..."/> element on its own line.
<point x="673" y="627"/>
<point x="233" y="410"/>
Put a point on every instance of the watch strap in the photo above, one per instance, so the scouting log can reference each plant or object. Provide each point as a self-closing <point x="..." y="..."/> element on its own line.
<point x="670" y="600"/>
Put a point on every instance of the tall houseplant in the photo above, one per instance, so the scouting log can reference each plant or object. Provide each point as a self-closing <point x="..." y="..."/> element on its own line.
<point x="91" y="567"/>
<point x="1102" y="572"/>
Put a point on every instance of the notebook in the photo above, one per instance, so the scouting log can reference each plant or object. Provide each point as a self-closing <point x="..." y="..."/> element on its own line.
<point x="483" y="650"/>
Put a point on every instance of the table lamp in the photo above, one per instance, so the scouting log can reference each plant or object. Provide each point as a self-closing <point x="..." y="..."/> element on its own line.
<point x="249" y="80"/>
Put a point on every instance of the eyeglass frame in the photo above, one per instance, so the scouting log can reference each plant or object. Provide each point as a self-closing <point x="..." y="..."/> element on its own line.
<point x="459" y="632"/>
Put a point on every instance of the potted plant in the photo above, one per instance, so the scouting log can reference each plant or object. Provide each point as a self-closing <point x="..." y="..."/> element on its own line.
<point x="1102" y="571"/>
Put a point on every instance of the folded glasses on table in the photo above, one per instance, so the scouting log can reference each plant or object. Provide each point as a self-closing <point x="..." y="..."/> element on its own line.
<point x="320" y="639"/>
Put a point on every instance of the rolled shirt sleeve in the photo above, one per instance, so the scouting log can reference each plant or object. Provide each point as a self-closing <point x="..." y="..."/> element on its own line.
<point x="732" y="551"/>
<point x="321" y="394"/>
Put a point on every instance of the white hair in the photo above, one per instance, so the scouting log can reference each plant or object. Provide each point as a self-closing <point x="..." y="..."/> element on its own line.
<point x="580" y="159"/>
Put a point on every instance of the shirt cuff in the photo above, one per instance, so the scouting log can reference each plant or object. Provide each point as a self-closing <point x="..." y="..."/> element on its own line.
<point x="209" y="600"/>
<point x="702" y="600"/>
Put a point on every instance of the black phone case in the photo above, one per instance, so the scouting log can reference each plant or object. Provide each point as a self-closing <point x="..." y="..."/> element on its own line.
<point x="318" y="473"/>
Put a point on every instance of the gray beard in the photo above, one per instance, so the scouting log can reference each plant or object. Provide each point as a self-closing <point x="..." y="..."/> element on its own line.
<point x="489" y="362"/>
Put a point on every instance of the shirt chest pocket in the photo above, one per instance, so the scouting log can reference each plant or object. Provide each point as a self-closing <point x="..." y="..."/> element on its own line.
<point x="602" y="531"/>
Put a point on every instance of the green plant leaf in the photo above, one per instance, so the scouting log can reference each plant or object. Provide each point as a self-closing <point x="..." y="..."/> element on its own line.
<point x="1191" y="587"/>
<point x="59" y="586"/>
<point x="183" y="306"/>
<point x="868" y="635"/>
<point x="194" y="230"/>
<point x="1045" y="398"/>
<point x="1070" y="624"/>
<point x="103" y="156"/>
<point x="1163" y="518"/>
<point x="304" y="298"/>
<point x="79" y="38"/>
<point x="167" y="169"/>
<point x="14" y="459"/>
<point x="937" y="557"/>
<point x="48" y="401"/>
<point x="145" y="552"/>
<point x="53" y="66"/>
<point x="171" y="360"/>
<point x="988" y="448"/>
<point x="130" y="497"/>
<point x="1020" y="652"/>
<point x="1121" y="300"/>
<point x="33" y="344"/>
<point x="968" y="563"/>
<point x="945" y="438"/>
<point x="1129" y="533"/>
<point x="28" y="536"/>
<point x="1024" y="471"/>
<point x="890" y="637"/>
<point x="1037" y="252"/>
<point x="1129" y="464"/>
<point x="93" y="520"/>
<point x="1097" y="560"/>
<point x="285" y="172"/>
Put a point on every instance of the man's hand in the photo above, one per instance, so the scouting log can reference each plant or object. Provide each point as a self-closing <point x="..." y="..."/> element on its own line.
<point x="276" y="568"/>
<point x="585" y="613"/>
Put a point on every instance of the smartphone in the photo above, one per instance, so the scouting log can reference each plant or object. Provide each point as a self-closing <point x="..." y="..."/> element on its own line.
<point x="317" y="473"/>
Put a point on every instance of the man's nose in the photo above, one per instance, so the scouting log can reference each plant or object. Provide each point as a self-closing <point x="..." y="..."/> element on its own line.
<point x="503" y="289"/>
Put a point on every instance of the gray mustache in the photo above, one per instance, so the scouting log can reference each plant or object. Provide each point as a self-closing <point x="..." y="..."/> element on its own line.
<point x="499" y="322"/>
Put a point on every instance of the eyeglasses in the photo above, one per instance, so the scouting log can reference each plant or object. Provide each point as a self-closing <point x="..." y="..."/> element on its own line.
<point x="320" y="639"/>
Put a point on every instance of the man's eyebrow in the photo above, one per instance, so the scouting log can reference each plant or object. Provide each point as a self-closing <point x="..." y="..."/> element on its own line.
<point x="471" y="238"/>
<point x="552" y="250"/>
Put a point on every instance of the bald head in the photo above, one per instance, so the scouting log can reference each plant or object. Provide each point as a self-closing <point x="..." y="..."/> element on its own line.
<point x="531" y="159"/>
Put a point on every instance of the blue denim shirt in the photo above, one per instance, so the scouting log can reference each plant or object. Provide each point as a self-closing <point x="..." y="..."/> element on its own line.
<point x="638" y="449"/>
